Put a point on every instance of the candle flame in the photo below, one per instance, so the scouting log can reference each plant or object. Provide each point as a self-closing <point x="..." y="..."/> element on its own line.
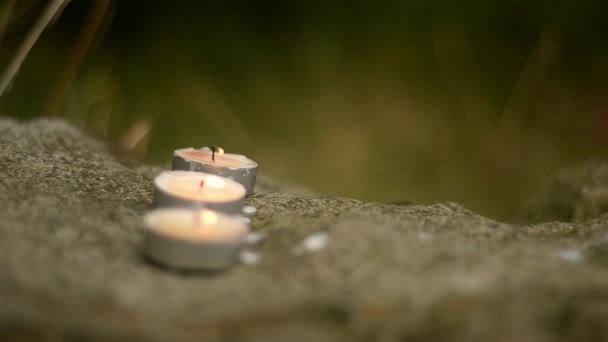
<point x="207" y="216"/>
<point x="214" y="150"/>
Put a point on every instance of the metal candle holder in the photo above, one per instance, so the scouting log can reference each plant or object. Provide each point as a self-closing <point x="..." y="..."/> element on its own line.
<point x="164" y="199"/>
<point x="243" y="175"/>
<point x="184" y="254"/>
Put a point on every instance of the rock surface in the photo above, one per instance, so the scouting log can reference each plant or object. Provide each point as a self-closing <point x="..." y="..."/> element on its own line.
<point x="574" y="194"/>
<point x="70" y="264"/>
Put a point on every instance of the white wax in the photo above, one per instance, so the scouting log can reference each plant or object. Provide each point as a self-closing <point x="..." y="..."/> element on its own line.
<point x="226" y="159"/>
<point x="196" y="226"/>
<point x="186" y="184"/>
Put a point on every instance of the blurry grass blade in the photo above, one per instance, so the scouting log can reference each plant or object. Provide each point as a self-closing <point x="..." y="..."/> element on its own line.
<point x="51" y="11"/>
<point x="5" y="14"/>
<point x="135" y="134"/>
<point x="529" y="82"/>
<point x="521" y="104"/>
<point x="76" y="55"/>
<point x="58" y="13"/>
<point x="22" y="14"/>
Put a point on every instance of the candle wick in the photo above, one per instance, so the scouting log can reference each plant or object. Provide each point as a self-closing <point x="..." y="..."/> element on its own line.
<point x="201" y="185"/>
<point x="214" y="150"/>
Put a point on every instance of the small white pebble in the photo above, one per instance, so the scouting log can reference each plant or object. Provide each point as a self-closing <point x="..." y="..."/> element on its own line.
<point x="253" y="238"/>
<point x="573" y="256"/>
<point x="312" y="243"/>
<point x="249" y="210"/>
<point x="250" y="258"/>
<point x="316" y="241"/>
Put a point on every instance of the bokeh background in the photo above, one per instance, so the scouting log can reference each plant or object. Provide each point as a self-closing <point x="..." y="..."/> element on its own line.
<point x="477" y="102"/>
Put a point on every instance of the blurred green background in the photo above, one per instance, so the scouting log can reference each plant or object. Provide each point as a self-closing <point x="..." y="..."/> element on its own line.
<point x="472" y="101"/>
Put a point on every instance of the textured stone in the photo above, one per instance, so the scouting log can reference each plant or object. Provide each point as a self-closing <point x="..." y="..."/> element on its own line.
<point x="574" y="194"/>
<point x="71" y="267"/>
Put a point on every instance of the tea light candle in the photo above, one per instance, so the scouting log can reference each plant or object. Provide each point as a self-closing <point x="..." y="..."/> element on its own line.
<point x="193" y="239"/>
<point x="197" y="190"/>
<point x="213" y="160"/>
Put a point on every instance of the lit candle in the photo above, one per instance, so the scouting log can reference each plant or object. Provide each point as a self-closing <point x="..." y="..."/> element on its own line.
<point x="213" y="160"/>
<point x="187" y="189"/>
<point x="194" y="239"/>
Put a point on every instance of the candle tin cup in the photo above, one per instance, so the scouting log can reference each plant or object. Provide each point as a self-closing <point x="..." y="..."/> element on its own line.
<point x="187" y="239"/>
<point x="197" y="190"/>
<point x="234" y="166"/>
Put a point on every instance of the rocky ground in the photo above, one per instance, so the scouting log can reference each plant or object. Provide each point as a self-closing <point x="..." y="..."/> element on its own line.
<point x="71" y="265"/>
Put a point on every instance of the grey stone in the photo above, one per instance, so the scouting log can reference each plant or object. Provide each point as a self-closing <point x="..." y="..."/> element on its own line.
<point x="573" y="194"/>
<point x="71" y="267"/>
